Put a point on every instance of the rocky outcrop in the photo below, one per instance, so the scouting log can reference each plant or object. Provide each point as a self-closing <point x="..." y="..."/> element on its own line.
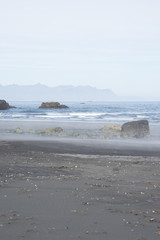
<point x="52" y="105"/>
<point x="135" y="129"/>
<point x="17" y="130"/>
<point x="52" y="131"/>
<point x="4" y="105"/>
<point x="111" y="131"/>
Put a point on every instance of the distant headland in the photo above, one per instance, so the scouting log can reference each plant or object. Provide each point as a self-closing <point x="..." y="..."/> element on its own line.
<point x="44" y="93"/>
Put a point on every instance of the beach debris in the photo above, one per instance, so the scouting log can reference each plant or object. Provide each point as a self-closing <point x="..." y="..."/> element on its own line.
<point x="115" y="169"/>
<point x="51" y="228"/>
<point x="52" y="105"/>
<point x="79" y="212"/>
<point x="158" y="231"/>
<point x="134" y="212"/>
<point x="57" y="167"/>
<point x="98" y="185"/>
<point x="29" y="218"/>
<point x="14" y="216"/>
<point x="31" y="230"/>
<point x="157" y="212"/>
<point x="85" y="203"/>
<point x="152" y="220"/>
<point x="95" y="232"/>
<point x="135" y="129"/>
<point x="23" y="190"/>
<point x="2" y="215"/>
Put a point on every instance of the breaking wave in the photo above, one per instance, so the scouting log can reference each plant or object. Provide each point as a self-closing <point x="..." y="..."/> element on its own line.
<point x="90" y="111"/>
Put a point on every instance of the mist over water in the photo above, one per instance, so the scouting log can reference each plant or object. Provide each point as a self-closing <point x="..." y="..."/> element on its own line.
<point x="82" y="117"/>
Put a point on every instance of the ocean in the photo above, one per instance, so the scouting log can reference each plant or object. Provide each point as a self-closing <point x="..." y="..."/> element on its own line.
<point x="95" y="112"/>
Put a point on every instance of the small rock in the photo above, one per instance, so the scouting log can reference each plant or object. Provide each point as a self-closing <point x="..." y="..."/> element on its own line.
<point x="52" y="105"/>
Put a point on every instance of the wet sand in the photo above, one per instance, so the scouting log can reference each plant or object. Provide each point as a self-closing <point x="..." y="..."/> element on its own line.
<point x="63" y="189"/>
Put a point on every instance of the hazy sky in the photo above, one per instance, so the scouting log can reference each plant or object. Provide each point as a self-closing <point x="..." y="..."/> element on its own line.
<point x="103" y="43"/>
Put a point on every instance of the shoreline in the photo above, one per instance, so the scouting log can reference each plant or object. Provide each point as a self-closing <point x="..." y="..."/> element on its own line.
<point x="83" y="146"/>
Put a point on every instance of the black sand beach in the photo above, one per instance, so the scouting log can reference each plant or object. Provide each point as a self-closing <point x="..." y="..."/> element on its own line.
<point x="78" y="190"/>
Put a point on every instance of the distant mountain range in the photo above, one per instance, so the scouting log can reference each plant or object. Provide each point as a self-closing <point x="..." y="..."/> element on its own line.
<point x="41" y="92"/>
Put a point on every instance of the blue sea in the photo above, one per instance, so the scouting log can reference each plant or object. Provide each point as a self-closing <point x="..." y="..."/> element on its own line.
<point x="106" y="112"/>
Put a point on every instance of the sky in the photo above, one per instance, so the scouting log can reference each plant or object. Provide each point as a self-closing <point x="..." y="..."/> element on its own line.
<point x="113" y="44"/>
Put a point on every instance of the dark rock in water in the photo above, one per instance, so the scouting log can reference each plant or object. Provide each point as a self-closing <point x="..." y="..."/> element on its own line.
<point x="4" y="105"/>
<point x="135" y="129"/>
<point x="52" y="105"/>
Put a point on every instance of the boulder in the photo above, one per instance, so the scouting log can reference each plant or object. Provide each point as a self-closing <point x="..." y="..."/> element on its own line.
<point x="135" y="129"/>
<point x="4" y="105"/>
<point x="52" y="105"/>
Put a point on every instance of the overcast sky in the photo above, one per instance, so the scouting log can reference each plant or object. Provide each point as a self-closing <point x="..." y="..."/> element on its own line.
<point x="103" y="43"/>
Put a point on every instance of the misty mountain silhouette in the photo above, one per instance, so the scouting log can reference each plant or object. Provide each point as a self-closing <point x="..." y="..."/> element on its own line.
<point x="39" y="92"/>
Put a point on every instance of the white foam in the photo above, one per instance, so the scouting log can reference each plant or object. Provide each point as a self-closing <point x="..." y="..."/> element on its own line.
<point x="142" y="116"/>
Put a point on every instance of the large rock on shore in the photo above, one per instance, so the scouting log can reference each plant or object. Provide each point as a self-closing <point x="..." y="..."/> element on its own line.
<point x="135" y="129"/>
<point x="4" y="105"/>
<point x="52" y="105"/>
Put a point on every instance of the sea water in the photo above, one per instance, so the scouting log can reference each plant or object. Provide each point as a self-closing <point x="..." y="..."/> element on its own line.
<point x="95" y="112"/>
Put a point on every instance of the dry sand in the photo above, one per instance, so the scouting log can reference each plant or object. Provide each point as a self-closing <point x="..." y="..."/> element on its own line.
<point x="57" y="190"/>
